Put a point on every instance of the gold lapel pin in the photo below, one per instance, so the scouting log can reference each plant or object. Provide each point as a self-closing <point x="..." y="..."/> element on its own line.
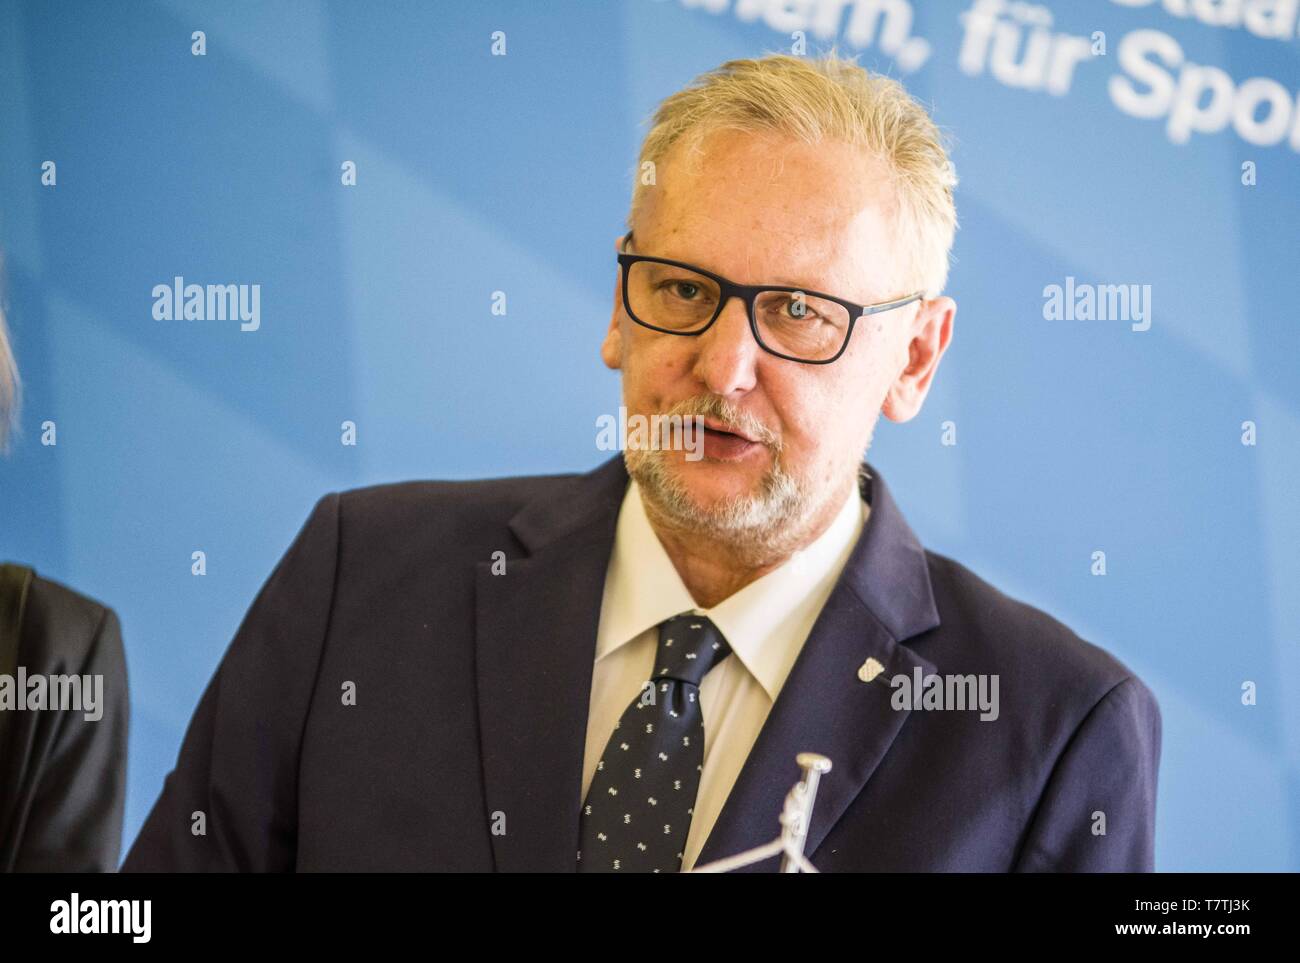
<point x="870" y="669"/>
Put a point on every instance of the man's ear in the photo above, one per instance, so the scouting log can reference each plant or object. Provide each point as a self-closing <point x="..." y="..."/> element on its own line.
<point x="611" y="349"/>
<point x="929" y="335"/>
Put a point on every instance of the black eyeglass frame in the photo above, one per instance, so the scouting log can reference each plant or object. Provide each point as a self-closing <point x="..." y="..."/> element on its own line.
<point x="747" y="293"/>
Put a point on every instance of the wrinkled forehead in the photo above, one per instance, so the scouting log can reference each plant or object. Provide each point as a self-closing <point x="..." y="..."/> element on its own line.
<point x="768" y="208"/>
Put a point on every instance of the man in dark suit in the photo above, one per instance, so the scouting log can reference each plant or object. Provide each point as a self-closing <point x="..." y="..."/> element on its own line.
<point x="472" y="698"/>
<point x="615" y="671"/>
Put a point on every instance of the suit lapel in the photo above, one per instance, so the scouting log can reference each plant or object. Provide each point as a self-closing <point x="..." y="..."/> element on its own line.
<point x="536" y="647"/>
<point x="883" y="596"/>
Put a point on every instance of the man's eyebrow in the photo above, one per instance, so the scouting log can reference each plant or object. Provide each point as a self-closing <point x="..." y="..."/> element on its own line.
<point x="779" y="282"/>
<point x="802" y="287"/>
<point x="815" y="286"/>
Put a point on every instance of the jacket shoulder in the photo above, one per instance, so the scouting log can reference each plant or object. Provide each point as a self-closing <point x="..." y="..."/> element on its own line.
<point x="986" y="626"/>
<point x="62" y="626"/>
<point x="469" y="513"/>
<point x="512" y="490"/>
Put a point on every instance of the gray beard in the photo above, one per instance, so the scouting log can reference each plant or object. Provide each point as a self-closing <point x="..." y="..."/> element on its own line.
<point x="757" y="528"/>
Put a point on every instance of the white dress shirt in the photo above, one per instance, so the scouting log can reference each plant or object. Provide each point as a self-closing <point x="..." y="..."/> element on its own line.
<point x="765" y="623"/>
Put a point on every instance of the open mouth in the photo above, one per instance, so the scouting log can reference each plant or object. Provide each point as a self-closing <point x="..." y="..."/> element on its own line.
<point x="717" y="429"/>
<point x="723" y="444"/>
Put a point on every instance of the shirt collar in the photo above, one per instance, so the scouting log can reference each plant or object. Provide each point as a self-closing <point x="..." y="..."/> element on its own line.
<point x="765" y="623"/>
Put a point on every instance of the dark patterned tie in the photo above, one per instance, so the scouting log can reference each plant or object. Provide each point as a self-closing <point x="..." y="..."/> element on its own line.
<point x="639" y="807"/>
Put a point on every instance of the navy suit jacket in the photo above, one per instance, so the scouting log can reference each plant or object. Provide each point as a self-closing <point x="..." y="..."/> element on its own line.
<point x="463" y="747"/>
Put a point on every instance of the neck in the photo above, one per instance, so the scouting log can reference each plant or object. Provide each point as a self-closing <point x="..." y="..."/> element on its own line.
<point x="714" y="569"/>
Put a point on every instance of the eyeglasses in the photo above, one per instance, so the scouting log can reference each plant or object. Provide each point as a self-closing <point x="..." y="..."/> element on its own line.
<point x="792" y="323"/>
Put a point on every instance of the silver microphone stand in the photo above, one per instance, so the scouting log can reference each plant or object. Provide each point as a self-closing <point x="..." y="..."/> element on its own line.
<point x="795" y="817"/>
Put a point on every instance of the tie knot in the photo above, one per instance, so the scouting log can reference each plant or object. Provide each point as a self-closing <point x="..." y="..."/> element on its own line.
<point x="689" y="646"/>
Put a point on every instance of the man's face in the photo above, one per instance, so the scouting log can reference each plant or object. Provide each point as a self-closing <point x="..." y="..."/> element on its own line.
<point x="764" y="209"/>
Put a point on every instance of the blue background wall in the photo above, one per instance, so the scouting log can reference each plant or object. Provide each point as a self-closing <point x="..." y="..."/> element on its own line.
<point x="479" y="173"/>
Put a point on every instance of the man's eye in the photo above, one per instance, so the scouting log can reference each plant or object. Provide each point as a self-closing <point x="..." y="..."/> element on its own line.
<point x="799" y="310"/>
<point x="685" y="289"/>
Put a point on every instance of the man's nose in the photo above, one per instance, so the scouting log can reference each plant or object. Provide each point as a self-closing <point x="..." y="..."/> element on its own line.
<point x="728" y="353"/>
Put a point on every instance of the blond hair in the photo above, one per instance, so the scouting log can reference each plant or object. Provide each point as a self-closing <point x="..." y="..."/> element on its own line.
<point x="832" y="98"/>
